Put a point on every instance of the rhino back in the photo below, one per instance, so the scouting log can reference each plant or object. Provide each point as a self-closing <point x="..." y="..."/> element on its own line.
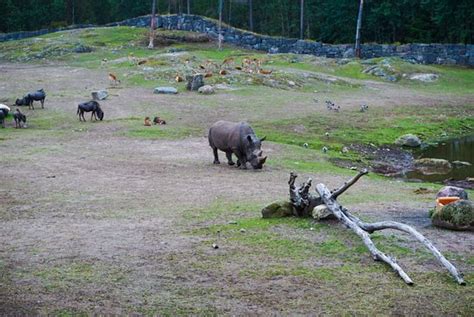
<point x="225" y="135"/>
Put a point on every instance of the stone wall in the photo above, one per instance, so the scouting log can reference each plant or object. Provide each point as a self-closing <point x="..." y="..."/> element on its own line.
<point x="460" y="54"/>
<point x="23" y="35"/>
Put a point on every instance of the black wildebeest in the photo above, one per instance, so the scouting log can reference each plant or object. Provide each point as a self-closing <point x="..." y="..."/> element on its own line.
<point x="20" y="119"/>
<point x="4" y="109"/>
<point x="38" y="95"/>
<point x="2" y="118"/>
<point x="89" y="106"/>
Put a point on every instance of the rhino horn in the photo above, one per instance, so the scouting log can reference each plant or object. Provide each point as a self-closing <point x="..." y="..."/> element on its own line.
<point x="263" y="159"/>
<point x="260" y="153"/>
<point x="263" y="139"/>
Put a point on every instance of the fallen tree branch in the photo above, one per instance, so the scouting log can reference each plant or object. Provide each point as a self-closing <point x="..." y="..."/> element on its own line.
<point x="304" y="202"/>
<point x="349" y="183"/>
<point x="372" y="227"/>
<point x="335" y="208"/>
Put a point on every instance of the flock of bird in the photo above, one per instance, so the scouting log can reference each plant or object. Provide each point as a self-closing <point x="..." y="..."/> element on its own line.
<point x="331" y="106"/>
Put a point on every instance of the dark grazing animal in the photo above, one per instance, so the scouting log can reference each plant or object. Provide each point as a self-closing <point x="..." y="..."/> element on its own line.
<point x="4" y="109"/>
<point x="89" y="106"/>
<point x="238" y="139"/>
<point x="2" y="118"/>
<point x="20" y="119"/>
<point x="158" y="120"/>
<point x="38" y="95"/>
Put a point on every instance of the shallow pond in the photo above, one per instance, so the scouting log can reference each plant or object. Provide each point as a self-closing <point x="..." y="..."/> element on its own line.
<point x="460" y="149"/>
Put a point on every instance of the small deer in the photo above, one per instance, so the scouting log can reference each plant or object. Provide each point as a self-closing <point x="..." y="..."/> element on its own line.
<point x="113" y="79"/>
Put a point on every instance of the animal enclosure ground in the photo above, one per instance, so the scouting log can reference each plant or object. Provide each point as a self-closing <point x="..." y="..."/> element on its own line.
<point x="114" y="217"/>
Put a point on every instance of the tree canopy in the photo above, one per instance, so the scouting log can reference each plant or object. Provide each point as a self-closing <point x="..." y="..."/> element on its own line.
<point x="330" y="21"/>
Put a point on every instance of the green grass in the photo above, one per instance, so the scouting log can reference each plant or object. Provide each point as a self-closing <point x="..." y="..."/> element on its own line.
<point x="136" y="129"/>
<point x="382" y="126"/>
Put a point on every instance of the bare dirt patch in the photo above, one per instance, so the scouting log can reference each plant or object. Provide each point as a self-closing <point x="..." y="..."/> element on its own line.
<point x="95" y="221"/>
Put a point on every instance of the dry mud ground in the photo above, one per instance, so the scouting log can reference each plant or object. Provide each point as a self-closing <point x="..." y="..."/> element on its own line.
<point x="95" y="221"/>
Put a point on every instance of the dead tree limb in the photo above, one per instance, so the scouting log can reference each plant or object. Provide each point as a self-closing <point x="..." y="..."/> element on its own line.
<point x="336" y="209"/>
<point x="376" y="226"/>
<point x="303" y="202"/>
<point x="348" y="184"/>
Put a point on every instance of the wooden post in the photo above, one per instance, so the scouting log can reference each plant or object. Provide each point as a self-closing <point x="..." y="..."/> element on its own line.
<point x="359" y="24"/>
<point x="189" y="7"/>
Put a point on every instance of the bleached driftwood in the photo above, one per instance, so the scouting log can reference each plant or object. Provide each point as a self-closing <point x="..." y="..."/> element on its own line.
<point x="303" y="201"/>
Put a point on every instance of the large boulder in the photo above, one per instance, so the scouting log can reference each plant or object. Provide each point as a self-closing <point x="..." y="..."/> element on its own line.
<point x="452" y="191"/>
<point x="322" y="212"/>
<point x="410" y="140"/>
<point x="165" y="90"/>
<point x="194" y="82"/>
<point x="100" y="94"/>
<point x="427" y="78"/>
<point x="206" y="90"/>
<point x="431" y="166"/>
<point x="458" y="215"/>
<point x="278" y="209"/>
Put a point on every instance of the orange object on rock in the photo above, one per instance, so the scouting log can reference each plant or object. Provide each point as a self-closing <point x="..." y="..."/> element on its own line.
<point x="443" y="201"/>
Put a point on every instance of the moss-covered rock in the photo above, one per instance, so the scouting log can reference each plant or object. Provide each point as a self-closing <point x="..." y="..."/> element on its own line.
<point x="430" y="166"/>
<point x="458" y="215"/>
<point x="278" y="209"/>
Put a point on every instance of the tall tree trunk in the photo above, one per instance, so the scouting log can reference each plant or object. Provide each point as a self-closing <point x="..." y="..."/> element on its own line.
<point x="219" y="36"/>
<point x="251" y="15"/>
<point x="230" y="12"/>
<point x="73" y="12"/>
<point x="169" y="6"/>
<point x="188" y="7"/>
<point x="301" y="19"/>
<point x="152" y="24"/>
<point x="359" y="24"/>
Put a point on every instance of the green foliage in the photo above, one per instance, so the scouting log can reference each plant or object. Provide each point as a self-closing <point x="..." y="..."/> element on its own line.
<point x="329" y="21"/>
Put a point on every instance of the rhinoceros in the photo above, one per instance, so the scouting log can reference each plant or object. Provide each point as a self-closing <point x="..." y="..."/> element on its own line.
<point x="238" y="139"/>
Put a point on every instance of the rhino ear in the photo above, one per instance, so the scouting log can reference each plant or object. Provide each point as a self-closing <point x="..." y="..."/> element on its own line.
<point x="263" y="139"/>
<point x="249" y="138"/>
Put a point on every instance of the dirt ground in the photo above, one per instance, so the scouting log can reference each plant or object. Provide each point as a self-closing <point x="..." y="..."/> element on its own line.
<point x="116" y="214"/>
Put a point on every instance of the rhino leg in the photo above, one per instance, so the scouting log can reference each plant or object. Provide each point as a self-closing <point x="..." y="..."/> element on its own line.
<point x="216" y="156"/>
<point x="229" y="158"/>
<point x="241" y="161"/>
